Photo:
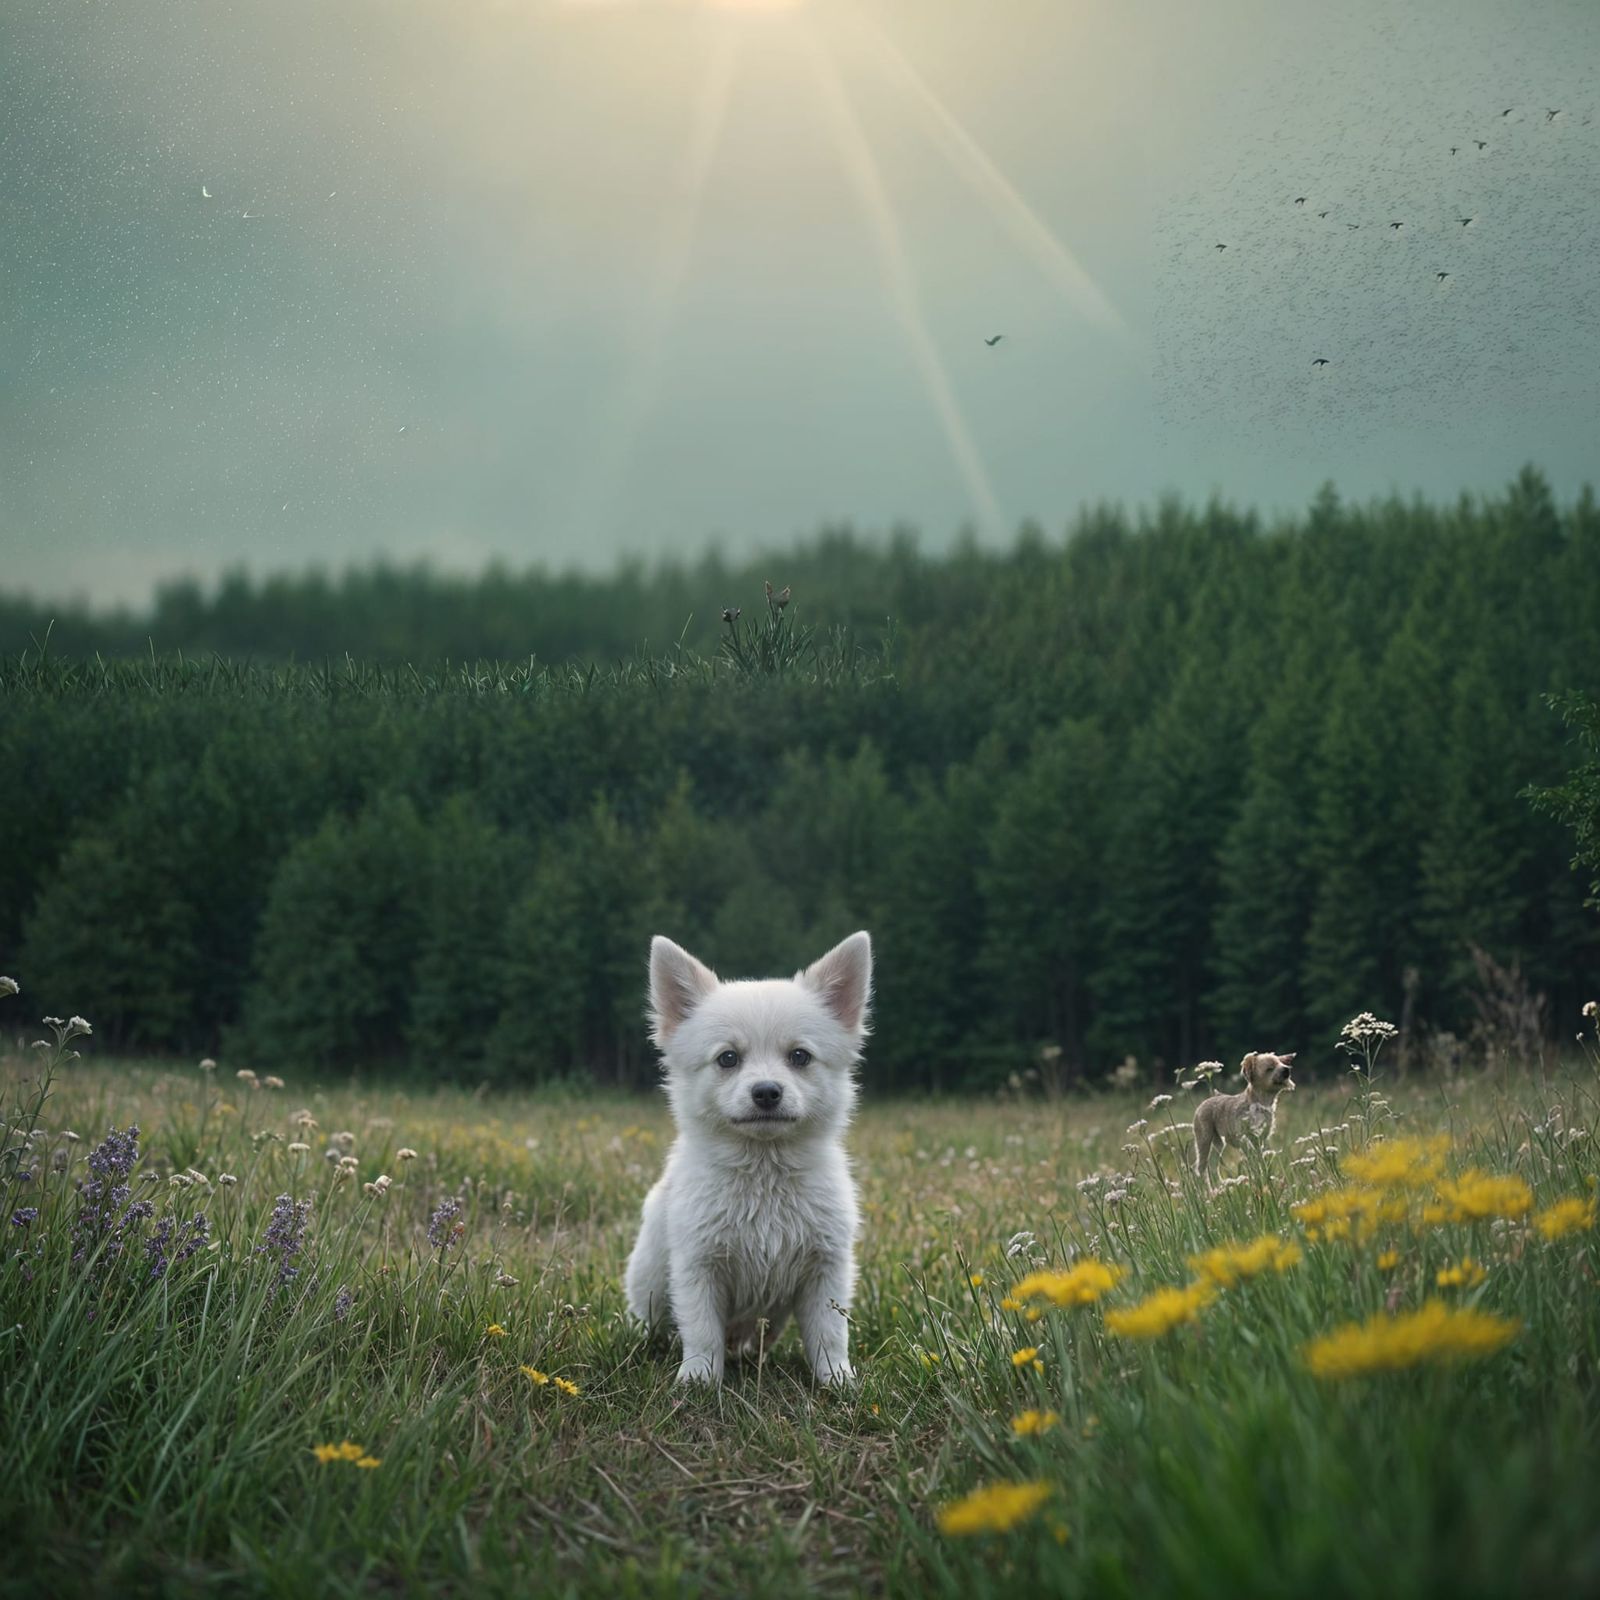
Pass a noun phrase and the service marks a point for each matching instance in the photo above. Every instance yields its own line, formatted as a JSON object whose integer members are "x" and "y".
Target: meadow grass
{"x": 172, "y": 1389}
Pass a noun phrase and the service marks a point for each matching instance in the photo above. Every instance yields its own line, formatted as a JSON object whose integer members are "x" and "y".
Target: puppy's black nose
{"x": 766, "y": 1095}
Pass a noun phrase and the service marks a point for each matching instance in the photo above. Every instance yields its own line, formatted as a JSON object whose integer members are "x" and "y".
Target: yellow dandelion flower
{"x": 1161, "y": 1312}
{"x": 929, "y": 1359}
{"x": 347, "y": 1450}
{"x": 1399, "y": 1163}
{"x": 976, "y": 1280}
{"x": 367, "y": 1463}
{"x": 1355, "y": 1211}
{"x": 1025, "y": 1357}
{"x": 1008, "y": 1304}
{"x": 566, "y": 1386}
{"x": 1477, "y": 1196}
{"x": 996, "y": 1509}
{"x": 1231, "y": 1264}
{"x": 534, "y": 1376}
{"x": 1436, "y": 1333}
{"x": 1388, "y": 1260}
{"x": 1029, "y": 1423}
{"x": 1033, "y": 1314}
{"x": 1468, "y": 1275}
{"x": 1079, "y": 1285}
{"x": 494, "y": 1331}
{"x": 1566, "y": 1216}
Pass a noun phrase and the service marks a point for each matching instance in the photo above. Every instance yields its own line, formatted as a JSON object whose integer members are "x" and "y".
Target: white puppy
{"x": 755, "y": 1215}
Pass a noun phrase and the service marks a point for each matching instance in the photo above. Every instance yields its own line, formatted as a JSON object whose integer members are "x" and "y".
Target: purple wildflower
{"x": 285, "y": 1235}
{"x": 187, "y": 1236}
{"x": 116, "y": 1155}
{"x": 105, "y": 1214}
{"x": 444, "y": 1232}
{"x": 342, "y": 1303}
{"x": 24, "y": 1217}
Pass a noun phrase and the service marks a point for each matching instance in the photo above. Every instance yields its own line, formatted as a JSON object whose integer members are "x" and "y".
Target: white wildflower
{"x": 1366, "y": 1026}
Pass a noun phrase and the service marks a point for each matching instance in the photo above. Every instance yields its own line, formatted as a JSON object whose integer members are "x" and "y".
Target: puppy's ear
{"x": 1288, "y": 1058}
{"x": 843, "y": 978}
{"x": 1247, "y": 1068}
{"x": 678, "y": 983}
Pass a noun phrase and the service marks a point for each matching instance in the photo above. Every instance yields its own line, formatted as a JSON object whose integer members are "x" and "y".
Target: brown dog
{"x": 1229, "y": 1119}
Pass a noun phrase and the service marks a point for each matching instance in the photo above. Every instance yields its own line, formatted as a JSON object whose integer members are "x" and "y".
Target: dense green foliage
{"x": 1176, "y": 789}
{"x": 1577, "y": 801}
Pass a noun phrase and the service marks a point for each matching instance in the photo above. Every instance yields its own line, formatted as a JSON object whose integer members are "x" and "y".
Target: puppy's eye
{"x": 728, "y": 1060}
{"x": 799, "y": 1057}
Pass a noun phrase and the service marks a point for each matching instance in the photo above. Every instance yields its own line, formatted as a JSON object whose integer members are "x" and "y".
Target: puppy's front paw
{"x": 838, "y": 1376}
{"x": 699, "y": 1369}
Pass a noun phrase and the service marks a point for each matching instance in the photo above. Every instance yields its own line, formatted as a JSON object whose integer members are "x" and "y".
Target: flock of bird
{"x": 1397, "y": 224}
{"x": 1394, "y": 225}
{"x": 1419, "y": 276}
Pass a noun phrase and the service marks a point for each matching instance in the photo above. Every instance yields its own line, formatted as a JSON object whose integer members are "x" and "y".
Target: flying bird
{"x": 1300, "y": 200}
{"x": 1397, "y": 225}
{"x": 1466, "y": 222}
{"x": 1482, "y": 144}
{"x": 994, "y": 341}
{"x": 402, "y": 428}
{"x": 1320, "y": 361}
{"x": 1222, "y": 247}
{"x": 205, "y": 193}
{"x": 1550, "y": 116}
{"x": 1440, "y": 277}
{"x": 1353, "y": 226}
{"x": 1454, "y": 148}
{"x": 1322, "y": 213}
{"x": 1508, "y": 110}
{"x": 252, "y": 216}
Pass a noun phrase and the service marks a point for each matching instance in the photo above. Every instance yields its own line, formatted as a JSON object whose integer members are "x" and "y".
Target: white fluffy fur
{"x": 753, "y": 1220}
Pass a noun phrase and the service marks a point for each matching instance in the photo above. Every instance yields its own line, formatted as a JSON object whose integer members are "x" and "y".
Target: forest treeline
{"x": 1174, "y": 788}
{"x": 413, "y": 614}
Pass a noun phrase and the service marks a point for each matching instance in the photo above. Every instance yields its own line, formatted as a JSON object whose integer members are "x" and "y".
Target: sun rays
{"x": 801, "y": 29}
{"x": 968, "y": 157}
{"x": 855, "y": 154}
{"x": 642, "y": 381}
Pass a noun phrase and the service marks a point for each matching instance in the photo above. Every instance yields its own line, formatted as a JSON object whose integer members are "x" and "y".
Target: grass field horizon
{"x": 368, "y": 1370}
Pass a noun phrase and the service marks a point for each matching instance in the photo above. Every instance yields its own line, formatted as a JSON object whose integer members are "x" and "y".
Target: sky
{"x": 564, "y": 281}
